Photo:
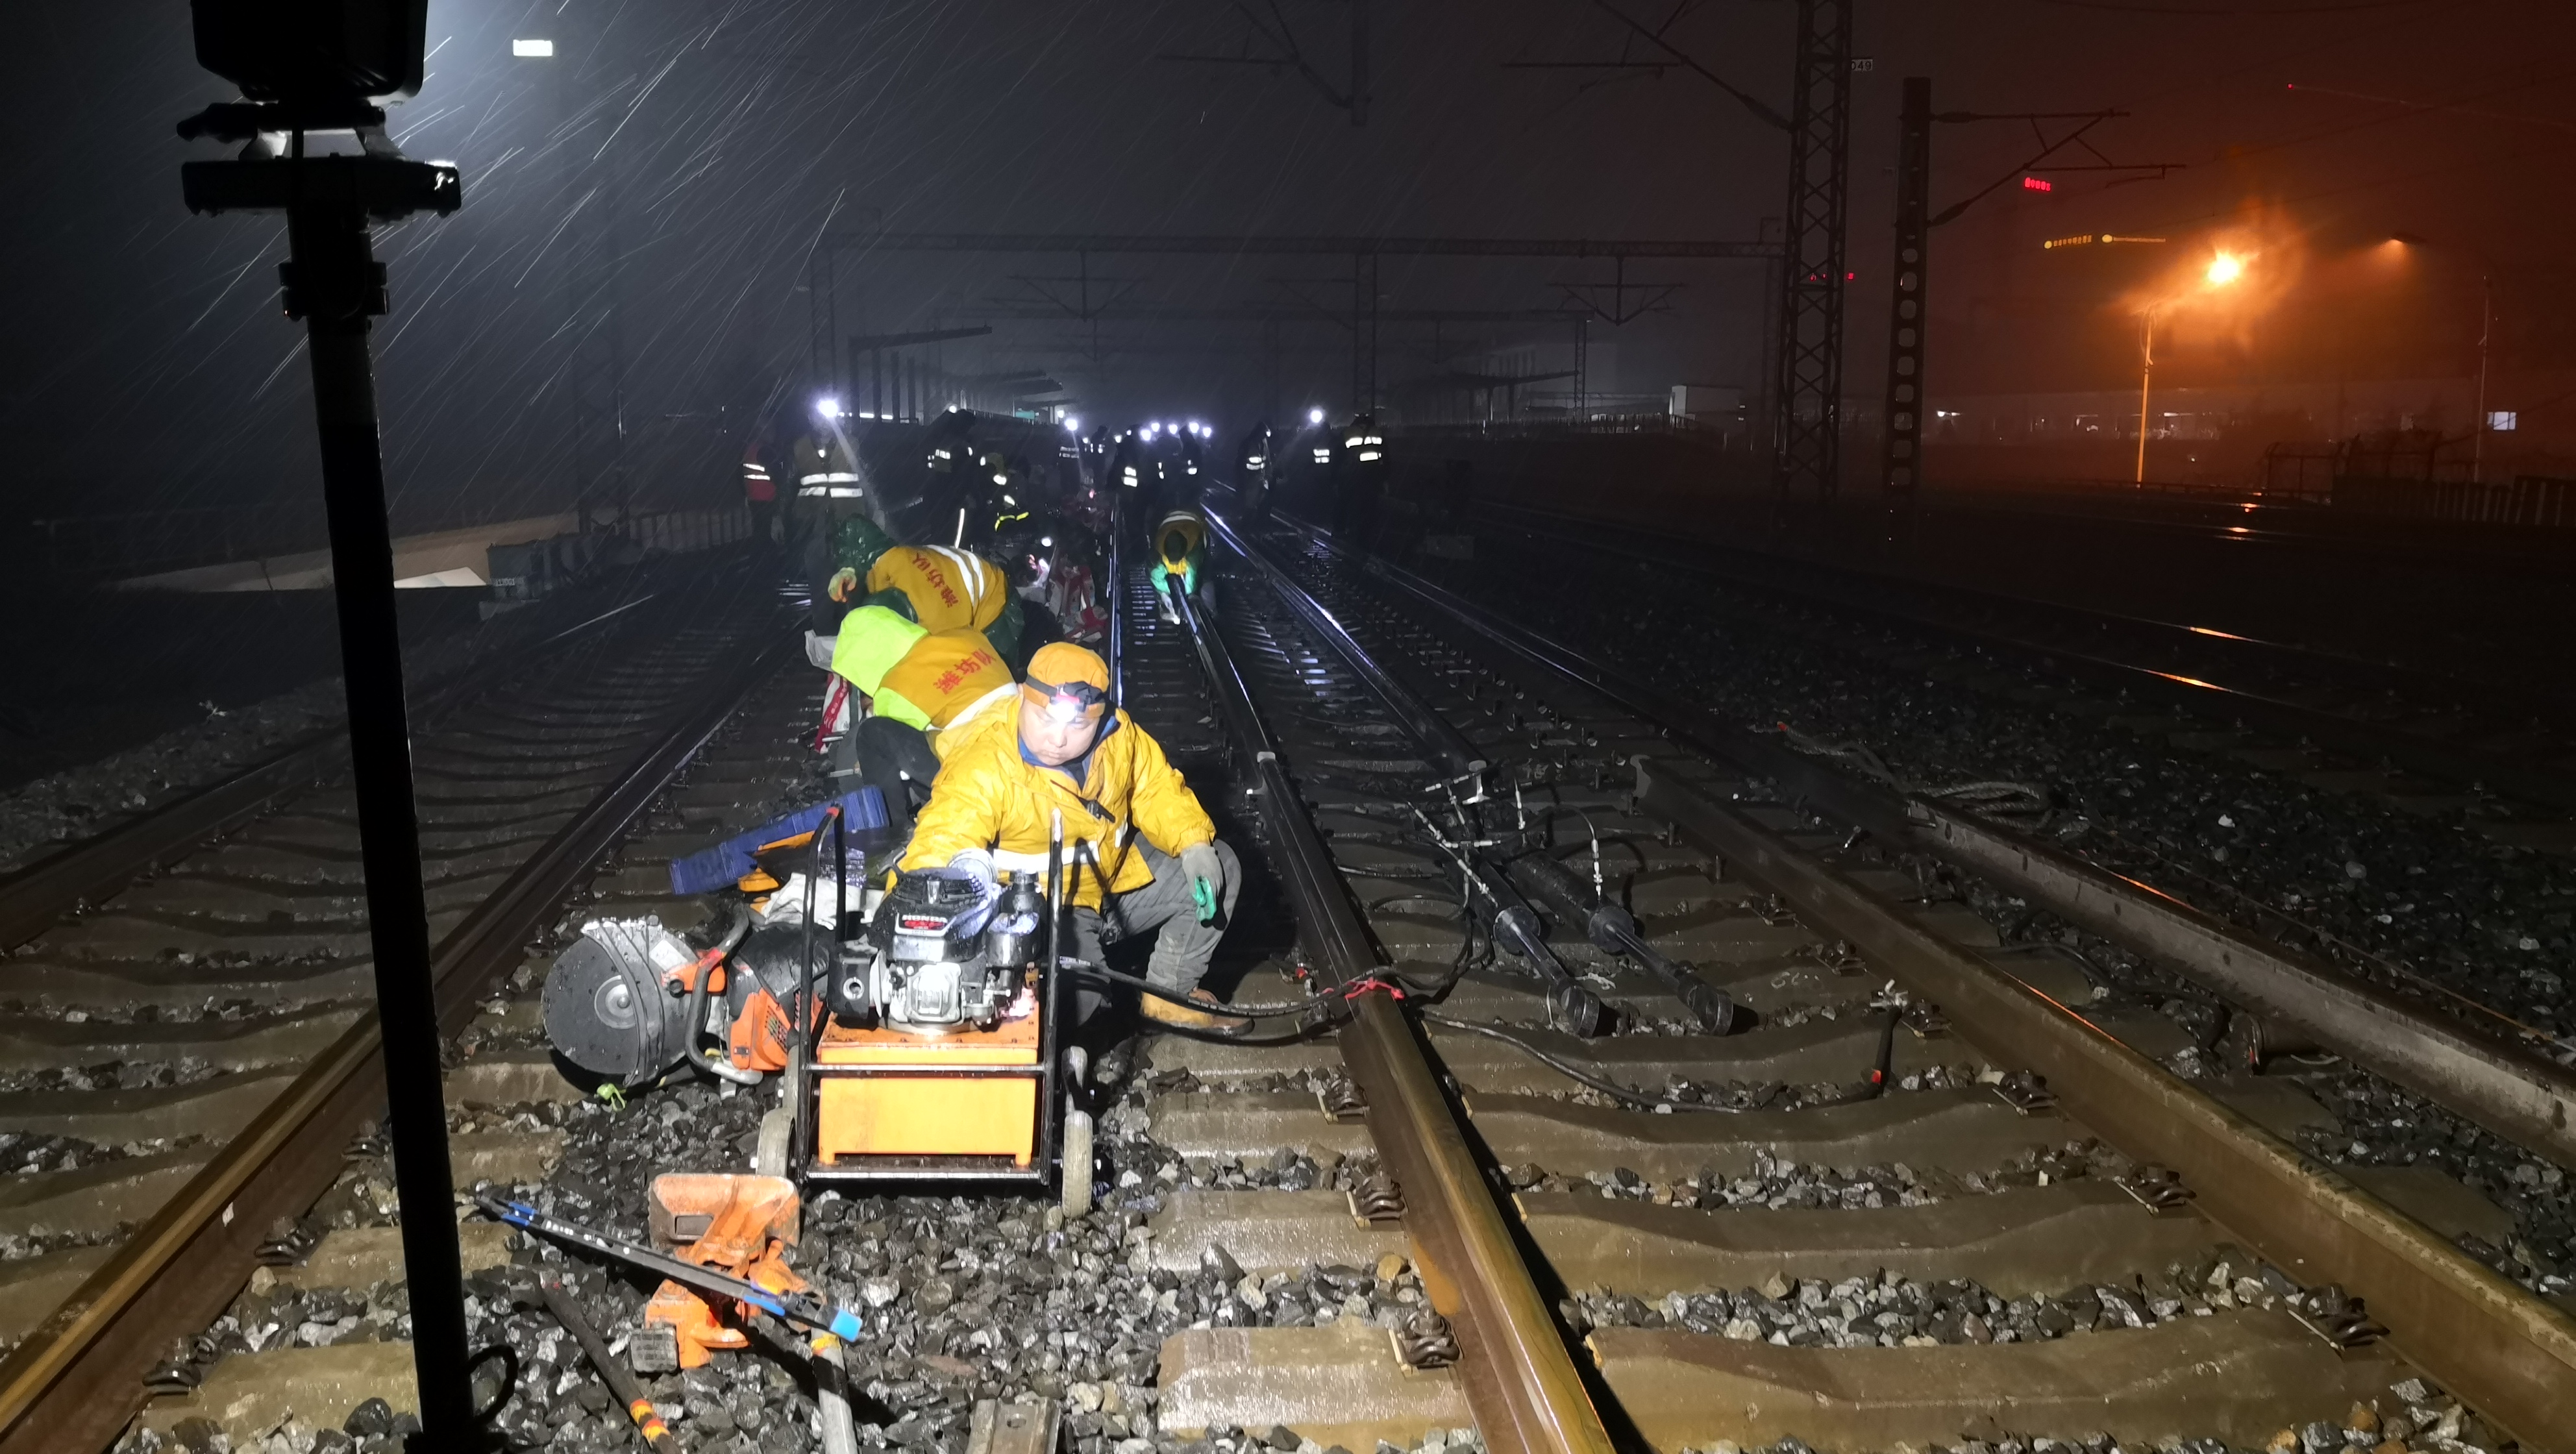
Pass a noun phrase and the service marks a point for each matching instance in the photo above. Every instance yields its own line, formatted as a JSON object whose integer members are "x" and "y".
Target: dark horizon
{"x": 154, "y": 370}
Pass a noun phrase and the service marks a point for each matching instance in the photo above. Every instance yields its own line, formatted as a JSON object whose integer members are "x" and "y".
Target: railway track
{"x": 2022, "y": 1229}
{"x": 189, "y": 1071}
{"x": 1652, "y": 1222}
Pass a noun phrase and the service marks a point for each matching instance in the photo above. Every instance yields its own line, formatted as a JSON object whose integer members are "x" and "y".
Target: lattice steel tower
{"x": 1808, "y": 354}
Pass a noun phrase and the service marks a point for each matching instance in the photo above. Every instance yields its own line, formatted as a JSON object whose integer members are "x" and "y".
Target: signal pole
{"x": 1901, "y": 466}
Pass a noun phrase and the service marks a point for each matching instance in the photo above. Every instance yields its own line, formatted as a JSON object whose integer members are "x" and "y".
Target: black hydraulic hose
{"x": 613, "y": 1371}
{"x": 1088, "y": 970}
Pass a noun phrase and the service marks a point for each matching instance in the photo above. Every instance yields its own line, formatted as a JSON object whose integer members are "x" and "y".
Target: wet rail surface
{"x": 186, "y": 1061}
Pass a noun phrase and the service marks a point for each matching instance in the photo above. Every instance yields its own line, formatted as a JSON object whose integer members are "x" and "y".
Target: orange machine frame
{"x": 888, "y": 1093}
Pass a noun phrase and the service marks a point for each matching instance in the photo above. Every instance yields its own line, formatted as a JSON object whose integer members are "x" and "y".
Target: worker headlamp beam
{"x": 1069, "y": 703}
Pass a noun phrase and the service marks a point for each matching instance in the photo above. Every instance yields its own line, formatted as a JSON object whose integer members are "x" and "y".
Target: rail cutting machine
{"x": 931, "y": 1047}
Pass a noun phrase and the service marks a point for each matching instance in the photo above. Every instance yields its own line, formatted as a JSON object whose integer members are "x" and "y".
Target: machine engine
{"x": 939, "y": 954}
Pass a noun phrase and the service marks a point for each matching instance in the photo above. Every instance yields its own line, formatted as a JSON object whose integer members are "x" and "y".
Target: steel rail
{"x": 35, "y": 898}
{"x": 1459, "y": 756}
{"x": 77, "y": 1378}
{"x": 2504, "y": 1350}
{"x": 2331, "y": 730}
{"x": 2500, "y": 1084}
{"x": 1519, "y": 1379}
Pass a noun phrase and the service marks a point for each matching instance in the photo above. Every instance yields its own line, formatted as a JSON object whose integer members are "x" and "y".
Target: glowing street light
{"x": 533, "y": 49}
{"x": 2224, "y": 270}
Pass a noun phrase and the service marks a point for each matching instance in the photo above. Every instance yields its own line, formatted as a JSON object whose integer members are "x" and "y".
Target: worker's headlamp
{"x": 1069, "y": 703}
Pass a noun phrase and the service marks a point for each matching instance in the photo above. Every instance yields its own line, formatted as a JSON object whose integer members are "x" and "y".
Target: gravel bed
{"x": 1776, "y": 1183}
{"x": 1888, "y": 1311}
{"x": 2414, "y": 1417}
{"x": 30, "y": 1153}
{"x": 15, "y": 1246}
{"x": 110, "y": 1075}
{"x": 83, "y": 801}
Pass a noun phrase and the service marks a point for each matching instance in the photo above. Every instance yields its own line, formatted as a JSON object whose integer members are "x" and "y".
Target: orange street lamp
{"x": 2224, "y": 270}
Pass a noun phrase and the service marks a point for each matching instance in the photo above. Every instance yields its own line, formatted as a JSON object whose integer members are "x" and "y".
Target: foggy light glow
{"x": 2225, "y": 268}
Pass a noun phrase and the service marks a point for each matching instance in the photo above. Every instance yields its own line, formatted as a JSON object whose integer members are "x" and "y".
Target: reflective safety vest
{"x": 757, "y": 486}
{"x": 933, "y": 680}
{"x": 825, "y": 471}
{"x": 949, "y": 589}
{"x": 1365, "y": 447}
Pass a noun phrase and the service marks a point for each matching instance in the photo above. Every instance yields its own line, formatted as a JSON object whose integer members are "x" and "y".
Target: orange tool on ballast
{"x": 737, "y": 1224}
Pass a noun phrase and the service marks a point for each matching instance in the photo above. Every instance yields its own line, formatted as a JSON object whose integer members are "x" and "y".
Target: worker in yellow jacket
{"x": 936, "y": 586}
{"x": 917, "y": 686}
{"x": 1142, "y": 855}
{"x": 1180, "y": 554}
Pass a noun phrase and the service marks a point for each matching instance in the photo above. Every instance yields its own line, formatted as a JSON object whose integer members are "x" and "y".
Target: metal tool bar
{"x": 1519, "y": 1379}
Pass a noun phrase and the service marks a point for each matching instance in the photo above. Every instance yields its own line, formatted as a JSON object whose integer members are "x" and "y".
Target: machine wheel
{"x": 1073, "y": 1165}
{"x": 769, "y": 1154}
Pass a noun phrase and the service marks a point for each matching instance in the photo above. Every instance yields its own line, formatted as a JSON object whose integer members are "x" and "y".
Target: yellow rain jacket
{"x": 949, "y": 589}
{"x": 932, "y": 680}
{"x": 990, "y": 795}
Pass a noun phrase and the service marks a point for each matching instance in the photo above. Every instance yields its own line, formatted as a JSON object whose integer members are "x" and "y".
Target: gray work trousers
{"x": 1182, "y": 945}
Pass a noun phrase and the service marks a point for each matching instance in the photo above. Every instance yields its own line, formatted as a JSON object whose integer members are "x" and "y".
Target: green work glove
{"x": 1207, "y": 879}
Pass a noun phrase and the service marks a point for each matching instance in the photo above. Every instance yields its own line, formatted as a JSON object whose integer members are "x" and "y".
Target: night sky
{"x": 150, "y": 367}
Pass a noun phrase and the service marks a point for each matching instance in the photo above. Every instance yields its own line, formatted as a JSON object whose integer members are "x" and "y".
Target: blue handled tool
{"x": 798, "y": 1308}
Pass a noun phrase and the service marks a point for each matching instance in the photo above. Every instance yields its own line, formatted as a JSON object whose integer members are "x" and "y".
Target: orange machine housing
{"x": 891, "y": 1093}
{"x": 738, "y": 1224}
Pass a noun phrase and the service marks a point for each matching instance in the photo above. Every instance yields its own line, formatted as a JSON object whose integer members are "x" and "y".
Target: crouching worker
{"x": 939, "y": 588}
{"x": 1141, "y": 854}
{"x": 917, "y": 686}
{"x": 1180, "y": 554}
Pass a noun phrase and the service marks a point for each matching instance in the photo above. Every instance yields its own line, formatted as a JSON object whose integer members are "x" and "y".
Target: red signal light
{"x": 2037, "y": 184}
